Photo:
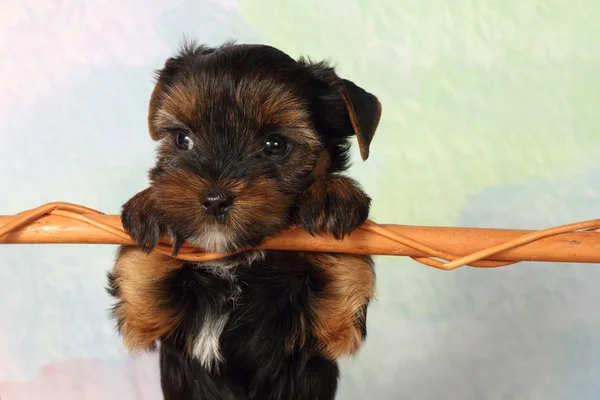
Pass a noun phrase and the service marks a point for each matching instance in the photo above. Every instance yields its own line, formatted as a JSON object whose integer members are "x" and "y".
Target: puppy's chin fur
{"x": 219, "y": 238}
{"x": 215, "y": 238}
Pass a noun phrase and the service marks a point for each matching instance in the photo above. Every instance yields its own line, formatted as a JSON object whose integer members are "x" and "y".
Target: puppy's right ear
{"x": 164, "y": 78}
{"x": 154, "y": 105}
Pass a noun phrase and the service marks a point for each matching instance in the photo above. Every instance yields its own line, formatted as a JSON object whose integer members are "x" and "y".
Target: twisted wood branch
{"x": 439, "y": 247}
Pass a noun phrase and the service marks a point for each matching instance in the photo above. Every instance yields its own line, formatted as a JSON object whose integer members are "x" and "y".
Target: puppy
{"x": 251, "y": 143}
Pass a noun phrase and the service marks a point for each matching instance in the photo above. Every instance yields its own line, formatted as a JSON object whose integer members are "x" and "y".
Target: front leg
{"x": 142, "y": 284}
{"x": 334, "y": 204}
{"x": 141, "y": 280}
{"x": 338, "y": 312}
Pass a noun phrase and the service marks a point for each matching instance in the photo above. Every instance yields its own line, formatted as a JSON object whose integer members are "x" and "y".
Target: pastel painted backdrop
{"x": 490, "y": 119}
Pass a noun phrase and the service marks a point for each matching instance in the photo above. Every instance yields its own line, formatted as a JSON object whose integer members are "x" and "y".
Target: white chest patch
{"x": 206, "y": 345}
{"x": 206, "y": 348}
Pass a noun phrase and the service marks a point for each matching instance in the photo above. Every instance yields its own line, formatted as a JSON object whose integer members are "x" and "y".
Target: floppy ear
{"x": 152, "y": 109}
{"x": 364, "y": 112}
{"x": 164, "y": 77}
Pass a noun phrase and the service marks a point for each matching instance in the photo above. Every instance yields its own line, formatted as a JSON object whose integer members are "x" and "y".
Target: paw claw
{"x": 177, "y": 243}
{"x": 141, "y": 220}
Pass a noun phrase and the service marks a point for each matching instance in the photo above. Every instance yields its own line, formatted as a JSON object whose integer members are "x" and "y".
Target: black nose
{"x": 217, "y": 202}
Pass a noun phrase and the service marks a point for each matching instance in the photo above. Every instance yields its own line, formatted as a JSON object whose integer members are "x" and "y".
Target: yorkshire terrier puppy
{"x": 251, "y": 142}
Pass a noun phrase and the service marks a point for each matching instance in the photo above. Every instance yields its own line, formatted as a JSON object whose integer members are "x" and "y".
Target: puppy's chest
{"x": 243, "y": 306}
{"x": 215, "y": 317}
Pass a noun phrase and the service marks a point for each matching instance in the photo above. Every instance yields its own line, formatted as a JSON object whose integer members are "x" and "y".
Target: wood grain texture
{"x": 582, "y": 247}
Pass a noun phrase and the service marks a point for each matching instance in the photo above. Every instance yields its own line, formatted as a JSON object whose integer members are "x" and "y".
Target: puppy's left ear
{"x": 364, "y": 112}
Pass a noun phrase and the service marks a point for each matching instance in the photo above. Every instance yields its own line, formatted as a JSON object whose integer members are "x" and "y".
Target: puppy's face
{"x": 243, "y": 131}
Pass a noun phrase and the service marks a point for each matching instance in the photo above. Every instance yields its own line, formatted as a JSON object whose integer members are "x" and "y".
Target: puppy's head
{"x": 243, "y": 130}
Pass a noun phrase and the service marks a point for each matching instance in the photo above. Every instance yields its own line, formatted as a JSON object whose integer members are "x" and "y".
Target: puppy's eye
{"x": 275, "y": 146}
{"x": 183, "y": 141}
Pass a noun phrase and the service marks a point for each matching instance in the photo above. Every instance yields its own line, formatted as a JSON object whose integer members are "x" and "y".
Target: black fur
{"x": 268, "y": 345}
{"x": 276, "y": 291}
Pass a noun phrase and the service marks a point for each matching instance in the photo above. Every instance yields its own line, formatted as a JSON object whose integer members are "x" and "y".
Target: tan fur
{"x": 322, "y": 167}
{"x": 349, "y": 287}
{"x": 264, "y": 197}
{"x": 183, "y": 100}
{"x": 256, "y": 201}
{"x": 143, "y": 319}
{"x": 269, "y": 103}
{"x": 164, "y": 119}
{"x": 266, "y": 102}
{"x": 179, "y": 192}
{"x": 152, "y": 109}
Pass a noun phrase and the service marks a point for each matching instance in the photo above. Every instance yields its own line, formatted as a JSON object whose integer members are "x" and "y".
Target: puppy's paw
{"x": 335, "y": 204}
{"x": 143, "y": 221}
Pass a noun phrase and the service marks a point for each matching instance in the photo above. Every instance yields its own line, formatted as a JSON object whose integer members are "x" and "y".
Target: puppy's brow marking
{"x": 164, "y": 119}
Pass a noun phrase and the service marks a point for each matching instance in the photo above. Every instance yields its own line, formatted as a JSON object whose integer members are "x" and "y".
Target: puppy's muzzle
{"x": 217, "y": 202}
